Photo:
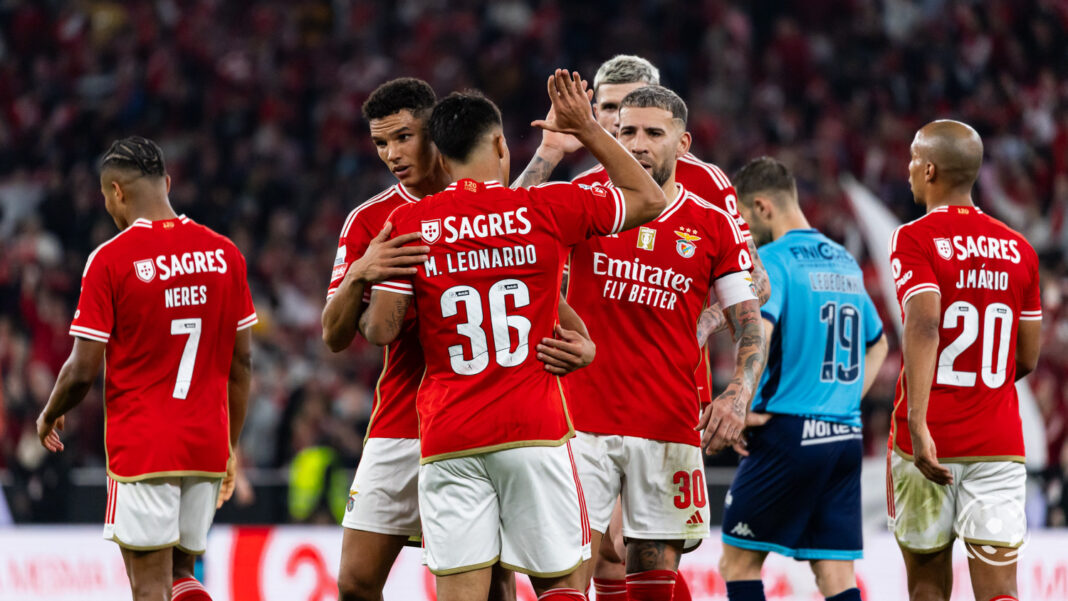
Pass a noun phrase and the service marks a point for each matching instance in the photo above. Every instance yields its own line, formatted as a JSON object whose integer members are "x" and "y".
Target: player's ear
{"x": 684, "y": 144}
{"x": 500, "y": 145}
{"x": 930, "y": 172}
{"x": 167, "y": 179}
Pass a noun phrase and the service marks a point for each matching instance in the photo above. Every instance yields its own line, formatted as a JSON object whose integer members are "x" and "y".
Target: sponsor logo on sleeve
{"x": 145, "y": 270}
{"x": 339, "y": 259}
{"x": 431, "y": 230}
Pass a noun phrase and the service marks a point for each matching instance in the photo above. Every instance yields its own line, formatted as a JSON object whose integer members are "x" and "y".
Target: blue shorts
{"x": 798, "y": 491}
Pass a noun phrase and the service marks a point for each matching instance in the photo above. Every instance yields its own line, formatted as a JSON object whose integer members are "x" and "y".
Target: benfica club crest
{"x": 945, "y": 249}
{"x": 685, "y": 245}
{"x": 431, "y": 230}
{"x": 145, "y": 270}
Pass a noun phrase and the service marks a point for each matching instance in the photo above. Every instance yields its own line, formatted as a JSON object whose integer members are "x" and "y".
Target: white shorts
{"x": 161, "y": 512}
{"x": 522, "y": 507}
{"x": 384, "y": 497}
{"x": 662, "y": 484}
{"x": 984, "y": 505}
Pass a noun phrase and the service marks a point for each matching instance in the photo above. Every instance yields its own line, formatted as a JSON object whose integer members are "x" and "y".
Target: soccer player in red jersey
{"x": 382, "y": 513}
{"x": 969, "y": 294}
{"x": 658, "y": 275}
{"x": 493, "y": 423}
{"x": 166, "y": 304}
{"x": 615, "y": 79}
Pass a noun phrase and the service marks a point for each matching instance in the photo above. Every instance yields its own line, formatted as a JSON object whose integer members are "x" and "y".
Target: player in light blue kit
{"x": 797, "y": 492}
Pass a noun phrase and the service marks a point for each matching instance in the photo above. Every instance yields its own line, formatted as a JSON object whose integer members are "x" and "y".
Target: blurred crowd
{"x": 257, "y": 108}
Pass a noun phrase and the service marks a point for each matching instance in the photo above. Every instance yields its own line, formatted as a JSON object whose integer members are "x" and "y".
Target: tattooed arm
{"x": 712, "y": 319}
{"x": 724, "y": 419}
{"x": 381, "y": 322}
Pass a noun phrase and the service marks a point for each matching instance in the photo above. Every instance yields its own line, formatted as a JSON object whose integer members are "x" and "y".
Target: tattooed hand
{"x": 724, "y": 420}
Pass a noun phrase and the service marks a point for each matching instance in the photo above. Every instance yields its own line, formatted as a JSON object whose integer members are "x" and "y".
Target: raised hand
{"x": 571, "y": 112}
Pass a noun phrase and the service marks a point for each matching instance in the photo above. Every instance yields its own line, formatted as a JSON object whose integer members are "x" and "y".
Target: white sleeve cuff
{"x": 395, "y": 287}
{"x": 734, "y": 288}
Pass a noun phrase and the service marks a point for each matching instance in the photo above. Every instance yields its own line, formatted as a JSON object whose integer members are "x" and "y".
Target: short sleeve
{"x": 246, "y": 314}
{"x": 400, "y": 227}
{"x": 95, "y": 316}
{"x": 1031, "y": 309}
{"x": 580, "y": 211}
{"x": 772, "y": 310}
{"x": 873, "y": 324}
{"x": 911, "y": 267}
{"x": 356, "y": 236}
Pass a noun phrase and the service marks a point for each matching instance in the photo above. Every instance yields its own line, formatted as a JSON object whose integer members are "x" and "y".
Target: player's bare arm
{"x": 383, "y": 319}
{"x": 873, "y": 360}
{"x": 920, "y": 347}
{"x": 712, "y": 320}
{"x": 553, "y": 147}
{"x": 74, "y": 381}
{"x": 724, "y": 419}
{"x": 237, "y": 393}
{"x": 572, "y": 114}
{"x": 1028, "y": 344}
{"x": 385, "y": 258}
{"x": 572, "y": 348}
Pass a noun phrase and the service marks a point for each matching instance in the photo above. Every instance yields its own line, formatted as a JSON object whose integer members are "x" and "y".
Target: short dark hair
{"x": 396, "y": 95}
{"x": 656, "y": 96}
{"x": 763, "y": 174}
{"x": 459, "y": 121}
{"x": 135, "y": 154}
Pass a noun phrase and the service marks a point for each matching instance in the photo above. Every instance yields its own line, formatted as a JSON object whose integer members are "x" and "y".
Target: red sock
{"x": 682, "y": 590}
{"x": 1004, "y": 598}
{"x": 188, "y": 589}
{"x": 610, "y": 590}
{"x": 651, "y": 585}
{"x": 562, "y": 594}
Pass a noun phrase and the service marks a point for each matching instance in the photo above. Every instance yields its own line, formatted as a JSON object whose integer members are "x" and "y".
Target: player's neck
{"x": 152, "y": 210}
{"x": 476, "y": 172}
{"x": 671, "y": 191}
{"x": 431, "y": 185}
{"x": 790, "y": 222}
{"x": 952, "y": 199}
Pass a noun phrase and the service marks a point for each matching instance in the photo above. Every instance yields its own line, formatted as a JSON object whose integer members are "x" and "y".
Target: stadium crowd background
{"x": 257, "y": 107}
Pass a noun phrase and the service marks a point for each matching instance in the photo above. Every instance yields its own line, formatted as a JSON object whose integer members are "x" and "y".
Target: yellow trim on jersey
{"x": 170, "y": 474}
{"x": 925, "y": 551}
{"x": 118, "y": 542}
{"x": 563, "y": 400}
{"x": 504, "y": 446}
{"x": 463, "y": 569}
{"x": 513, "y": 568}
{"x": 378, "y": 395}
{"x": 992, "y": 543}
{"x": 966, "y": 459}
{"x": 188, "y": 552}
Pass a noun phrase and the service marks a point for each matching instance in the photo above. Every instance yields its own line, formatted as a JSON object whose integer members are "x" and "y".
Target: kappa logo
{"x": 944, "y": 247}
{"x": 646, "y": 238}
{"x": 145, "y": 270}
{"x": 685, "y": 244}
{"x": 431, "y": 230}
{"x": 695, "y": 519}
{"x": 742, "y": 529}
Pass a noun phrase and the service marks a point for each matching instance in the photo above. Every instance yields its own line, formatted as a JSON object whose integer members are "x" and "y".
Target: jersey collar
{"x": 680, "y": 198}
{"x": 487, "y": 184}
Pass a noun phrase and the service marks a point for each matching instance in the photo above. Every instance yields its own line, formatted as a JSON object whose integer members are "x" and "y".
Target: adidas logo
{"x": 695, "y": 519}
{"x": 742, "y": 529}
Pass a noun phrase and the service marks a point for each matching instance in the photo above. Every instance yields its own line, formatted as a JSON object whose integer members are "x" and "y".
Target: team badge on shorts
{"x": 352, "y": 500}
{"x": 431, "y": 230}
{"x": 145, "y": 270}
{"x": 945, "y": 249}
{"x": 685, "y": 244}
{"x": 646, "y": 238}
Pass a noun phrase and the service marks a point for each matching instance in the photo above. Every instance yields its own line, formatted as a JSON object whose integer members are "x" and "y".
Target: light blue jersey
{"x": 824, "y": 323}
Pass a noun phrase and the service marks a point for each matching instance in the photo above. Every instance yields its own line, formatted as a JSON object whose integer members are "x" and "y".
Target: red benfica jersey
{"x": 987, "y": 276}
{"x": 167, "y": 297}
{"x": 708, "y": 182}
{"x": 487, "y": 294}
{"x": 394, "y": 413}
{"x": 640, "y": 293}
